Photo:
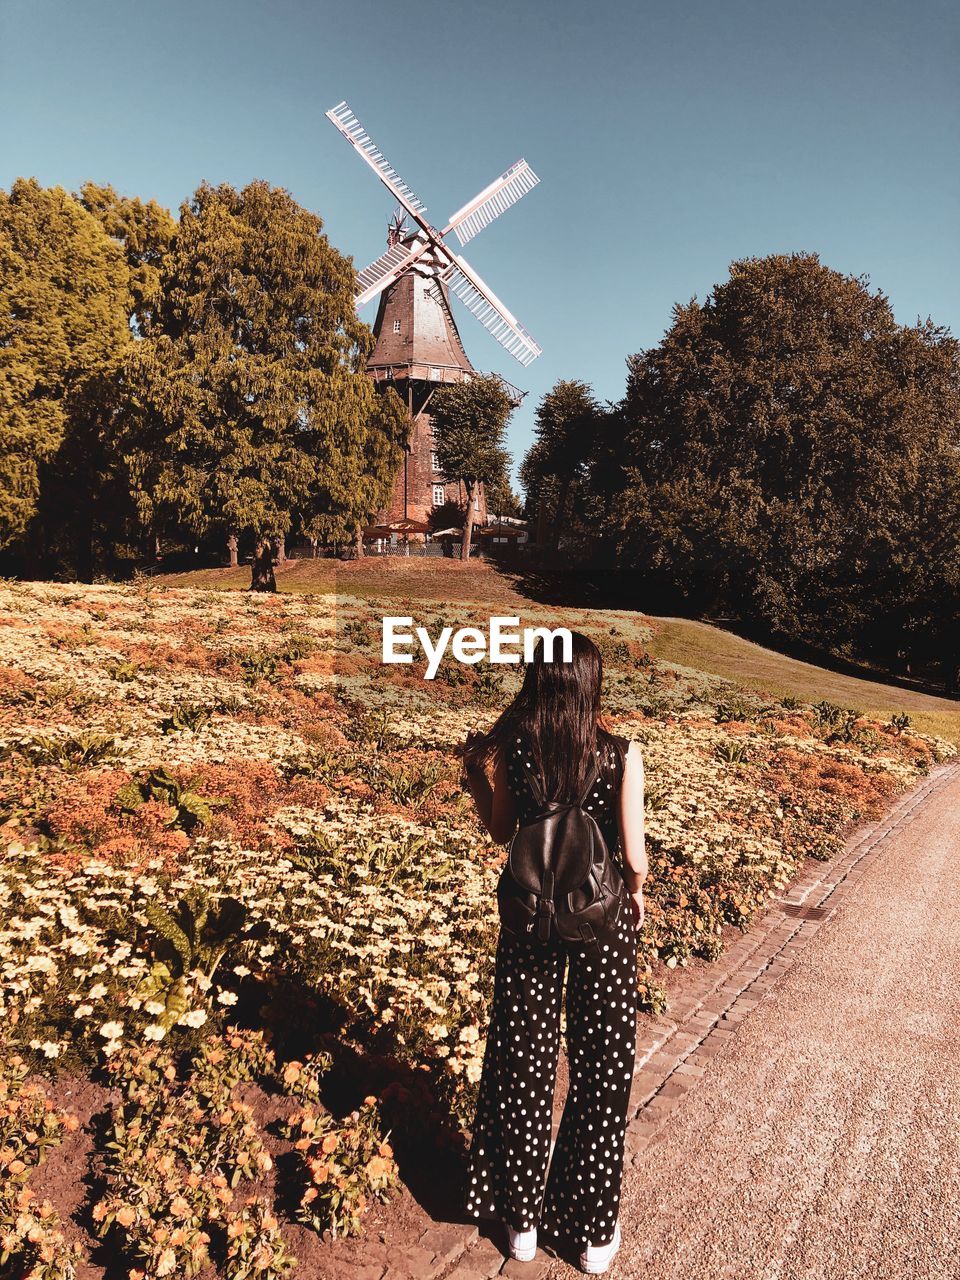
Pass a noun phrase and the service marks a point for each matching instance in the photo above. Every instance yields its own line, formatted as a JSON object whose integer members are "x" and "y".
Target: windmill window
{"x": 436, "y": 375}
{"x": 434, "y": 463}
{"x": 439, "y": 495}
{"x": 396, "y": 326}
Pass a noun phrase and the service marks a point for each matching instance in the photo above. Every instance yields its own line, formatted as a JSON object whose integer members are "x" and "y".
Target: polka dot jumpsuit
{"x": 507, "y": 1174}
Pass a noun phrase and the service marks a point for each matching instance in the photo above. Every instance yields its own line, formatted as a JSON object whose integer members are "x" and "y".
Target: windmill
{"x": 417, "y": 342}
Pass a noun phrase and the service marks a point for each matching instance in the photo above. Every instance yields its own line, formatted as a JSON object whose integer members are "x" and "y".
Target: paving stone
{"x": 414, "y": 1263}
{"x": 683, "y": 1008}
{"x": 689, "y": 1070}
{"x": 674, "y": 1088}
{"x": 485, "y": 1256}
{"x": 535, "y": 1270}
{"x": 447, "y": 1243}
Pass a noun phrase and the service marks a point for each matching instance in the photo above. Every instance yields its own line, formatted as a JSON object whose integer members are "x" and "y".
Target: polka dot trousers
{"x": 507, "y": 1175}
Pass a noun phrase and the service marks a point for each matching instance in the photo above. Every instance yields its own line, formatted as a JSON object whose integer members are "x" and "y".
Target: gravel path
{"x": 822, "y": 1143}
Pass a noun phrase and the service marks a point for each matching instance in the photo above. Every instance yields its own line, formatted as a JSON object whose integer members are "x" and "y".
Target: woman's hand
{"x": 636, "y": 908}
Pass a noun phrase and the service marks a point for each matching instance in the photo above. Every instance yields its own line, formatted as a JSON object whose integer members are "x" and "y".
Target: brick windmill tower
{"x": 418, "y": 345}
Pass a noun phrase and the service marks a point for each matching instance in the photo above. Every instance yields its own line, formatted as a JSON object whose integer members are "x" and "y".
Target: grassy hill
{"x": 695, "y": 646}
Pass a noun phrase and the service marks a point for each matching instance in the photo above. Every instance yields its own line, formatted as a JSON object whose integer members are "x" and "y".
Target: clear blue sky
{"x": 670, "y": 138}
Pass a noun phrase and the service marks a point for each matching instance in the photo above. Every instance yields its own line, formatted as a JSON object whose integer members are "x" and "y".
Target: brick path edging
{"x": 673, "y": 1052}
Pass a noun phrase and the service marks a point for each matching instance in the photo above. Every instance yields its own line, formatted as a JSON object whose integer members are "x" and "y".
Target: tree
{"x": 469, "y": 425}
{"x": 359, "y": 468}
{"x": 779, "y": 450}
{"x": 63, "y": 285}
{"x": 566, "y": 424}
{"x": 144, "y": 231}
{"x": 250, "y": 407}
{"x": 501, "y": 497}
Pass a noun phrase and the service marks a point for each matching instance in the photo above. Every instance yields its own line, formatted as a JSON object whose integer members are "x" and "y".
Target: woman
{"x": 553, "y": 730}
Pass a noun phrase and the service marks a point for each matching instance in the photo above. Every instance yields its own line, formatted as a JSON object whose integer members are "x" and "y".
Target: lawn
{"x": 247, "y": 915}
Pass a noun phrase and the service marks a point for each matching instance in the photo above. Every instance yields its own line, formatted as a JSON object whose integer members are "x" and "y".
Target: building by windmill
{"x": 417, "y": 343}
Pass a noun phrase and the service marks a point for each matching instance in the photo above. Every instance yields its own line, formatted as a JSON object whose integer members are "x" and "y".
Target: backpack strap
{"x": 535, "y": 785}
{"x": 546, "y": 909}
{"x": 593, "y": 777}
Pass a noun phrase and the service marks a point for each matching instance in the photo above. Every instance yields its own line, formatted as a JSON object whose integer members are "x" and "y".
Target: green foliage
{"x": 84, "y": 750}
{"x": 731, "y": 708}
{"x": 900, "y": 723}
{"x": 565, "y": 436}
{"x": 188, "y": 808}
{"x": 248, "y": 398}
{"x": 833, "y": 721}
{"x": 180, "y": 1143}
{"x": 356, "y": 633}
{"x": 347, "y": 1165}
{"x": 469, "y": 426}
{"x": 63, "y": 329}
{"x": 186, "y": 717}
{"x": 144, "y": 231}
{"x": 191, "y": 938}
{"x": 788, "y": 455}
{"x": 733, "y": 752}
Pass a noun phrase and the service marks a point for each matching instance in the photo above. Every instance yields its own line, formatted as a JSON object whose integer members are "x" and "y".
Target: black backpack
{"x": 560, "y": 880}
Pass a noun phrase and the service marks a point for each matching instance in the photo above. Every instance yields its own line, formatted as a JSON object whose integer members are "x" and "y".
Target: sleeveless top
{"x": 603, "y": 802}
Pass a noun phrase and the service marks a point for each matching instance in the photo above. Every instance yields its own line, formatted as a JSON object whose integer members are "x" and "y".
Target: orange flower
{"x": 330, "y": 1143}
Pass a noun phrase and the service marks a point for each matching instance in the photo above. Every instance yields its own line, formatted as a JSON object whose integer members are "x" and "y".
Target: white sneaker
{"x": 596, "y": 1258}
{"x": 523, "y": 1244}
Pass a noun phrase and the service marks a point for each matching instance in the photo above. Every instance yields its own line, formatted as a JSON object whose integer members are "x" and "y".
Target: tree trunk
{"x": 157, "y": 547}
{"x": 262, "y": 576}
{"x": 85, "y": 557}
{"x": 358, "y": 542}
{"x": 281, "y": 548}
{"x": 471, "y": 486}
{"x": 232, "y": 543}
{"x": 314, "y": 548}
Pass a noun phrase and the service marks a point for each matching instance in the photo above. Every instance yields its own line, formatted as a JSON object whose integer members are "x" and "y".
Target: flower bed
{"x": 237, "y": 850}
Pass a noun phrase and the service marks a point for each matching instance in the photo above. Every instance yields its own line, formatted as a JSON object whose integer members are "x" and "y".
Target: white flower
{"x": 227, "y": 997}
{"x": 111, "y": 1047}
{"x": 195, "y": 1018}
{"x": 97, "y": 992}
{"x": 154, "y": 1008}
{"x": 111, "y": 1030}
{"x": 83, "y": 1011}
{"x": 154, "y": 1032}
{"x": 50, "y": 1049}
{"x": 241, "y": 970}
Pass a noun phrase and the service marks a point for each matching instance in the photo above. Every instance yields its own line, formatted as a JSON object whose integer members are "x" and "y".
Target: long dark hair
{"x": 556, "y": 714}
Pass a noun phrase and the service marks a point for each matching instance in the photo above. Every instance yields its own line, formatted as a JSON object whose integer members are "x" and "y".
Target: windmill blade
{"x": 387, "y": 268}
{"x": 356, "y": 135}
{"x": 492, "y": 201}
{"x": 478, "y": 298}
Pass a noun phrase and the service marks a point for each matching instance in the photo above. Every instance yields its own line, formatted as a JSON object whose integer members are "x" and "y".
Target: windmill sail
{"x": 387, "y": 268}
{"x": 428, "y": 243}
{"x": 357, "y": 136}
{"x": 480, "y": 299}
{"x": 492, "y": 201}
